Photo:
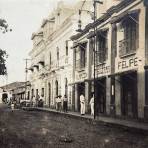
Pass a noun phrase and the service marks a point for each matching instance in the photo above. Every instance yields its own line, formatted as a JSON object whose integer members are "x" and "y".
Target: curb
{"x": 92, "y": 121}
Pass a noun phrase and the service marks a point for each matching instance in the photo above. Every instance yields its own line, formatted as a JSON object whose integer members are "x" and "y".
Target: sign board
{"x": 128, "y": 63}
{"x": 80, "y": 76}
{"x": 101, "y": 70}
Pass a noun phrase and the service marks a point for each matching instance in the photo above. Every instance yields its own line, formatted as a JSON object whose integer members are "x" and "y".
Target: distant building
{"x": 17, "y": 90}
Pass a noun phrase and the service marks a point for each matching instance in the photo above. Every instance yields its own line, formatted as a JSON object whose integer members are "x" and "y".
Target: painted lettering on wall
{"x": 103, "y": 69}
{"x": 128, "y": 63}
{"x": 81, "y": 76}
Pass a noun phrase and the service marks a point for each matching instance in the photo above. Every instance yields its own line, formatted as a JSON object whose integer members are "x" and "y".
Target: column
{"x": 113, "y": 55}
{"x": 76, "y": 97}
{"x": 146, "y": 93}
{"x": 146, "y": 61}
{"x": 87, "y": 96}
{"x": 73, "y": 98}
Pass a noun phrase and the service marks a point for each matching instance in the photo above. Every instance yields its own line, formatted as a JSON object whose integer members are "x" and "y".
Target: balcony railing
{"x": 126, "y": 47}
{"x": 101, "y": 56}
{"x": 80, "y": 64}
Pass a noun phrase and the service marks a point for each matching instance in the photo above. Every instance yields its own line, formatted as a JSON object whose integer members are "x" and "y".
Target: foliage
{"x": 4, "y": 26}
{"x": 3, "y": 54}
{"x": 3, "y": 57}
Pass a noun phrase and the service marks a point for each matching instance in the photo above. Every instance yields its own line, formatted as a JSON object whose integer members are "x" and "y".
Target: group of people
{"x": 37, "y": 101}
{"x": 62, "y": 103}
{"x": 82, "y": 104}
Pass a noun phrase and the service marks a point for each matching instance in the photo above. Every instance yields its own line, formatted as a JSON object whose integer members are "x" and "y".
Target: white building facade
{"x": 52, "y": 56}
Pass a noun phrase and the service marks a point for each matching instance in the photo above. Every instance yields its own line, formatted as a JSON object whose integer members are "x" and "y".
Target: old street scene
{"x": 74, "y": 74}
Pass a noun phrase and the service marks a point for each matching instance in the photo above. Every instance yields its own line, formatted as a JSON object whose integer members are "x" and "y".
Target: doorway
{"x": 101, "y": 96}
{"x": 81, "y": 90}
{"x": 129, "y": 95}
{"x": 49, "y": 93}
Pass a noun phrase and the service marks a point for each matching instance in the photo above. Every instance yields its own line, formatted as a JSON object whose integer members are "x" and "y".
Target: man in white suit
{"x": 82, "y": 103}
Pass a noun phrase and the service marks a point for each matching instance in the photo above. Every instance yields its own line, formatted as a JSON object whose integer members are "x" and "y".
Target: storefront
{"x": 129, "y": 95}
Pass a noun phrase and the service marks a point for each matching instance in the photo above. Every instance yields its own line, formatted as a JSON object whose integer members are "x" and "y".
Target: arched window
{"x": 66, "y": 87}
{"x": 57, "y": 53}
{"x": 56, "y": 88}
{"x": 49, "y": 93}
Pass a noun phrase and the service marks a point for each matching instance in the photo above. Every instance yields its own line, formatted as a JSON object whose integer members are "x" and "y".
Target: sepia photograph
{"x": 73, "y": 73}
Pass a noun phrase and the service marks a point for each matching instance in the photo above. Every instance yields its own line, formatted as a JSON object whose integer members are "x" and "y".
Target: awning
{"x": 96, "y": 78}
{"x": 124, "y": 15}
{"x": 122, "y": 73}
{"x": 92, "y": 34}
{"x": 30, "y": 68}
{"x": 42, "y": 63}
{"x": 37, "y": 66}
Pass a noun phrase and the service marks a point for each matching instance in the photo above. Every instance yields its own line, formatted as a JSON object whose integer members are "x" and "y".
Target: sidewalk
{"x": 135, "y": 125}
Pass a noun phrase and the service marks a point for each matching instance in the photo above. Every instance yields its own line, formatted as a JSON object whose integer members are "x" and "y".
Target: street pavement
{"x": 33, "y": 129}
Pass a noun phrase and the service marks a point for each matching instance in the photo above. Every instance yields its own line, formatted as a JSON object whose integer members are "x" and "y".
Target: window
{"x": 28, "y": 96}
{"x": 131, "y": 35}
{"x": 91, "y": 46}
{"x": 50, "y": 60}
{"x": 57, "y": 53}
{"x": 42, "y": 92}
{"x": 102, "y": 47}
{"x": 80, "y": 59}
{"x": 66, "y": 87}
{"x": 66, "y": 48}
{"x": 32, "y": 92}
{"x": 37, "y": 93}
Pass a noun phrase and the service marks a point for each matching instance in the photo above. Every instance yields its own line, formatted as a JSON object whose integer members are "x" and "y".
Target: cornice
{"x": 114, "y": 9}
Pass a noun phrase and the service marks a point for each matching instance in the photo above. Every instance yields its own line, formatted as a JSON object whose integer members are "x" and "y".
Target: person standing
{"x": 82, "y": 103}
{"x": 37, "y": 100}
{"x": 92, "y": 105}
{"x": 33, "y": 100}
{"x": 65, "y": 101}
{"x": 12, "y": 106}
{"x": 60, "y": 103}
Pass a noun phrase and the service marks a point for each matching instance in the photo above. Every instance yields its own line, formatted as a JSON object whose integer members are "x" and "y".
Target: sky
{"x": 24, "y": 17}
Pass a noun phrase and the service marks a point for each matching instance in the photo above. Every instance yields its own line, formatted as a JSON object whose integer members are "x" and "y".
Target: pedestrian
{"x": 92, "y": 105}
{"x": 56, "y": 99}
{"x": 82, "y": 103}
{"x": 40, "y": 103}
{"x": 33, "y": 100}
{"x": 60, "y": 103}
{"x": 12, "y": 106}
{"x": 37, "y": 100}
{"x": 65, "y": 101}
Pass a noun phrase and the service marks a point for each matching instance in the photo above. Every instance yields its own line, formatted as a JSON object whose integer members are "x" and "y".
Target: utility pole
{"x": 95, "y": 50}
{"x": 26, "y": 74}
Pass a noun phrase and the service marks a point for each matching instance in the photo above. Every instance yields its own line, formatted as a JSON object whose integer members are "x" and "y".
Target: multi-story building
{"x": 52, "y": 56}
{"x": 120, "y": 65}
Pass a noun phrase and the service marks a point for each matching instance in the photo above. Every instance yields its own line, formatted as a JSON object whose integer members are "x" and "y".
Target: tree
{"x": 3, "y": 57}
{"x": 3, "y": 54}
{"x": 4, "y": 26}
